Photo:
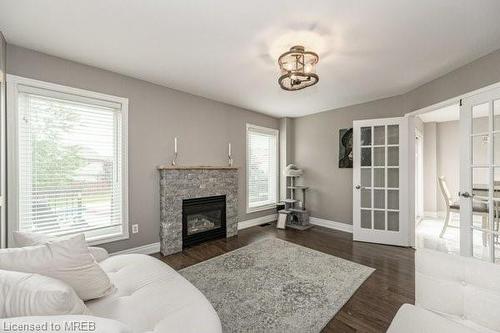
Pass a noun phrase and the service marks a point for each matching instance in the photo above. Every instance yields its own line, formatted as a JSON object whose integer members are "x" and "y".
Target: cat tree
{"x": 295, "y": 215}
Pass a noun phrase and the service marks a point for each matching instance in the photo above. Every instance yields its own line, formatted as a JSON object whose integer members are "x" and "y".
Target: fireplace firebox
{"x": 203, "y": 219}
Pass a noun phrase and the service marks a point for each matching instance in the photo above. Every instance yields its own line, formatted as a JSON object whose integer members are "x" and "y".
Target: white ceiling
{"x": 227, "y": 50}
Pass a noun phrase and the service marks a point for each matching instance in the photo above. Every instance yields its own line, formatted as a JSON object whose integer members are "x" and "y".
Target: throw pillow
{"x": 22, "y": 239}
{"x": 68, "y": 260}
{"x": 28, "y": 294}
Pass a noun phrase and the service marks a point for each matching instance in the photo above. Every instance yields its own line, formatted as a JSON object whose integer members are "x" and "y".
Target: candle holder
{"x": 174, "y": 159}
{"x": 230, "y": 160}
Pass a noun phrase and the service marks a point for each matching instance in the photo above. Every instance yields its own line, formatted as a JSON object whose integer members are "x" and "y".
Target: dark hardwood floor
{"x": 374, "y": 304}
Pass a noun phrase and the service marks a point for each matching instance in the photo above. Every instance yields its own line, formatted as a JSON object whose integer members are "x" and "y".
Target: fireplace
{"x": 203, "y": 219}
{"x": 183, "y": 183}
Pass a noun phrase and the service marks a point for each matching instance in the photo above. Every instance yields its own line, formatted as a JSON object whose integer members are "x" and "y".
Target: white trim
{"x": 276, "y": 133}
{"x": 377, "y": 122}
{"x": 144, "y": 249}
{"x": 331, "y": 224}
{"x": 155, "y": 247}
{"x": 419, "y": 172}
{"x": 437, "y": 214}
{"x": 66, "y": 89}
{"x": 257, "y": 221}
{"x": 260, "y": 208}
{"x": 14, "y": 84}
{"x": 3, "y": 163}
{"x": 407, "y": 184}
{"x": 431, "y": 214}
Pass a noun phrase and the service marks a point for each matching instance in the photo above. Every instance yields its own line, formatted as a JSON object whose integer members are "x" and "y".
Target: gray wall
{"x": 448, "y": 159}
{"x": 477, "y": 74}
{"x": 156, "y": 115}
{"x": 431, "y": 193}
{"x": 286, "y": 152}
{"x": 316, "y": 136}
{"x": 317, "y": 149}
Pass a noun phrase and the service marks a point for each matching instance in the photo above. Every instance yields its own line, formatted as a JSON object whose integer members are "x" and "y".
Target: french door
{"x": 480, "y": 175}
{"x": 380, "y": 181}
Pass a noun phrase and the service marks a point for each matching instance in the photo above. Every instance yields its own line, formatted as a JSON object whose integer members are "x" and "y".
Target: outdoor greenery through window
{"x": 262, "y": 164}
{"x": 70, "y": 170}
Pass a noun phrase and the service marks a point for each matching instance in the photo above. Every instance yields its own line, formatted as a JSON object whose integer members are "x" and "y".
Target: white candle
{"x": 175, "y": 145}
{"x": 229, "y": 149}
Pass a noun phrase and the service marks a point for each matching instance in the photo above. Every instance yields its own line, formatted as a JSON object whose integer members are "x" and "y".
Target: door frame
{"x": 419, "y": 172}
{"x": 406, "y": 172}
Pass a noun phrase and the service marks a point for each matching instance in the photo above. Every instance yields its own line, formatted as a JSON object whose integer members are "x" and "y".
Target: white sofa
{"x": 153, "y": 297}
{"x": 149, "y": 296}
{"x": 452, "y": 294}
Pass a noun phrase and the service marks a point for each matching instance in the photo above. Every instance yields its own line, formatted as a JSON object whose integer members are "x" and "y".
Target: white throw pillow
{"x": 68, "y": 260}
{"x": 22, "y": 239}
{"x": 28, "y": 294}
{"x": 65, "y": 324}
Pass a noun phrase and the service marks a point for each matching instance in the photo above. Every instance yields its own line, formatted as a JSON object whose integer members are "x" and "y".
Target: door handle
{"x": 465, "y": 195}
{"x": 358, "y": 187}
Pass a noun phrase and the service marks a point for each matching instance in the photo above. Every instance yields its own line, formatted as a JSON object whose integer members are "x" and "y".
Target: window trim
{"x": 14, "y": 85}
{"x": 274, "y": 132}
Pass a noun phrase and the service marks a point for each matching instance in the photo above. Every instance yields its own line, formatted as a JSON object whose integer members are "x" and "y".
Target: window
{"x": 68, "y": 167}
{"x": 262, "y": 167}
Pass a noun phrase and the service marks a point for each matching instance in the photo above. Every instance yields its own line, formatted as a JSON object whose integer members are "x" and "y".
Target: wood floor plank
{"x": 371, "y": 308}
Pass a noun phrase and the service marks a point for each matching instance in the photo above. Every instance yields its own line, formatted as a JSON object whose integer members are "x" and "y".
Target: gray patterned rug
{"x": 276, "y": 286}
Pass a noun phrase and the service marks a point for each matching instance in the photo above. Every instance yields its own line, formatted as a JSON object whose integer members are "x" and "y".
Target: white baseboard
{"x": 145, "y": 249}
{"x": 438, "y": 214}
{"x": 257, "y": 221}
{"x": 155, "y": 247}
{"x": 331, "y": 224}
{"x": 430, "y": 214}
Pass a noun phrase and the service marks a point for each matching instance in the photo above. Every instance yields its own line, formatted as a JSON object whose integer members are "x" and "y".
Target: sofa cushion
{"x": 68, "y": 260}
{"x": 413, "y": 319}
{"x": 150, "y": 296}
{"x": 463, "y": 289}
{"x": 27, "y": 294}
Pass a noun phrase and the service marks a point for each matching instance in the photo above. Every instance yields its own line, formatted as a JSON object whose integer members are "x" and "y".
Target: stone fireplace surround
{"x": 187, "y": 182}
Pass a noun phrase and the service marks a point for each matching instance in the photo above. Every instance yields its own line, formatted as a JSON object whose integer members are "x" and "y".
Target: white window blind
{"x": 262, "y": 167}
{"x": 70, "y": 165}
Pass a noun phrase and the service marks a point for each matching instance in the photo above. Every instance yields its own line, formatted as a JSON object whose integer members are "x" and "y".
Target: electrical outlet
{"x": 135, "y": 228}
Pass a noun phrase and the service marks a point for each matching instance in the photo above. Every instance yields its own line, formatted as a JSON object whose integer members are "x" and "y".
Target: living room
{"x": 248, "y": 167}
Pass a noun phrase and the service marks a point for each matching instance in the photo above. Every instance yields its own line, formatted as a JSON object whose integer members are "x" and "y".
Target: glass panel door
{"x": 480, "y": 176}
{"x": 377, "y": 180}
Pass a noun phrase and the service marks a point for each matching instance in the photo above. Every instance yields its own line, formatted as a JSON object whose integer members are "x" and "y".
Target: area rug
{"x": 276, "y": 286}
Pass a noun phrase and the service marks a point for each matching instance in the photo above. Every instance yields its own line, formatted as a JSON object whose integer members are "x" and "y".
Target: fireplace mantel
{"x": 195, "y": 167}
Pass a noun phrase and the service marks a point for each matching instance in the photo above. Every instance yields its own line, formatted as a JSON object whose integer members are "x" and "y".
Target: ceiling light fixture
{"x": 298, "y": 68}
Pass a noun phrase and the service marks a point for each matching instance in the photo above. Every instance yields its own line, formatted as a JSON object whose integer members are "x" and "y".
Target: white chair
{"x": 454, "y": 207}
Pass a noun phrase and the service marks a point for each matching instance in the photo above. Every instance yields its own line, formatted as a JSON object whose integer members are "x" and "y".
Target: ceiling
{"x": 227, "y": 50}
